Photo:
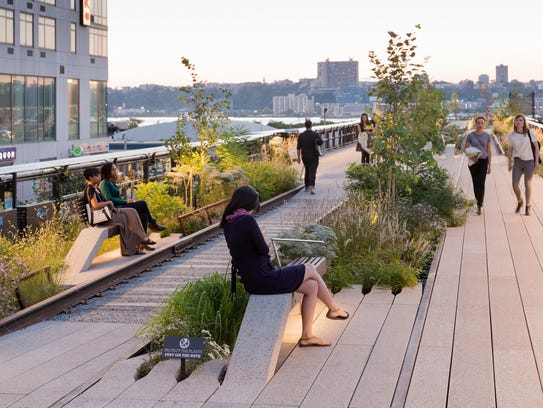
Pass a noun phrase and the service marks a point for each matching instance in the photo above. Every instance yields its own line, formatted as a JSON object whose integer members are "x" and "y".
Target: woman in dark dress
{"x": 251, "y": 259}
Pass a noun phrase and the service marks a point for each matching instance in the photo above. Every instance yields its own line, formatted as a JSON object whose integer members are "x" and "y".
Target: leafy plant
{"x": 203, "y": 304}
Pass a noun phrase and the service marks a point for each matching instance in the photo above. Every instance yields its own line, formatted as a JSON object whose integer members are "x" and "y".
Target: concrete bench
{"x": 88, "y": 242}
{"x": 256, "y": 352}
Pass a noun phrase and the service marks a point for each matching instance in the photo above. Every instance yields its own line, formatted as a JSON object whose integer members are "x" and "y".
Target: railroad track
{"x": 133, "y": 293}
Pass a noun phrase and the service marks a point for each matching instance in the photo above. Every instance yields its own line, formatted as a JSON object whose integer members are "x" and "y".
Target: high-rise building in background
{"x": 337, "y": 74}
{"x": 484, "y": 80}
{"x": 53, "y": 79}
{"x": 298, "y": 104}
{"x": 502, "y": 74}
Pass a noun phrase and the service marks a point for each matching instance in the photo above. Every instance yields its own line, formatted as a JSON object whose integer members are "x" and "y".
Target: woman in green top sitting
{"x": 112, "y": 192}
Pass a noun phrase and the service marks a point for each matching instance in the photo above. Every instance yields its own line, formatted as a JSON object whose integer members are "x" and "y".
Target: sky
{"x": 254, "y": 41}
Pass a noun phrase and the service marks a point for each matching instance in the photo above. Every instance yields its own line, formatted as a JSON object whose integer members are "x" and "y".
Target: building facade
{"x": 298, "y": 104}
{"x": 337, "y": 74}
{"x": 502, "y": 74}
{"x": 53, "y": 79}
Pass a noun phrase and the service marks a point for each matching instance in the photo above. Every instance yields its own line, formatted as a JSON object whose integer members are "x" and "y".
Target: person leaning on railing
{"x": 112, "y": 192}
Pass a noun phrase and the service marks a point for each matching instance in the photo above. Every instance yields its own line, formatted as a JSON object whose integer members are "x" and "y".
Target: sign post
{"x": 183, "y": 348}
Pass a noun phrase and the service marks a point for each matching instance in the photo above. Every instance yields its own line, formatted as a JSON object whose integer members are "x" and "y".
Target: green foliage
{"x": 9, "y": 272}
{"x": 411, "y": 117}
{"x": 375, "y": 245}
{"x": 164, "y": 207}
{"x": 270, "y": 178}
{"x": 134, "y": 123}
{"x": 203, "y": 304}
{"x": 290, "y": 250}
{"x": 207, "y": 118}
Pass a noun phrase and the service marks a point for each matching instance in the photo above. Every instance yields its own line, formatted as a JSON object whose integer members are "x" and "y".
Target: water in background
{"x": 153, "y": 120}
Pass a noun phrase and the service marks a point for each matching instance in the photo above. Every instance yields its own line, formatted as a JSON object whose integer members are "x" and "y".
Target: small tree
{"x": 454, "y": 105}
{"x": 207, "y": 118}
{"x": 411, "y": 115}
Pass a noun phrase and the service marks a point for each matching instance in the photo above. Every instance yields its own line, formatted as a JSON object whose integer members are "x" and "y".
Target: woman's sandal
{"x": 519, "y": 206}
{"x": 528, "y": 207}
{"x": 149, "y": 241}
{"x": 330, "y": 315}
{"x": 313, "y": 342}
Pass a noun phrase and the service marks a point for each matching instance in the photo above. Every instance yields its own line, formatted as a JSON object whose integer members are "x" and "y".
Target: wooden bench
{"x": 88, "y": 242}
{"x": 256, "y": 352}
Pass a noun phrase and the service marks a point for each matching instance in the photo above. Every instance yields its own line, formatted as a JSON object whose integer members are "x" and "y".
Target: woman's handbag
{"x": 98, "y": 216}
{"x": 358, "y": 147}
{"x": 533, "y": 147}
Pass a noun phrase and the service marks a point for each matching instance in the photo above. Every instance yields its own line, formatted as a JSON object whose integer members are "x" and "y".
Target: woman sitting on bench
{"x": 133, "y": 237}
{"x": 251, "y": 259}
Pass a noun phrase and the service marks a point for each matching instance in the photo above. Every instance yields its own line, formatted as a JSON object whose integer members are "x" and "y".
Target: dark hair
{"x": 244, "y": 197}
{"x": 90, "y": 172}
{"x": 106, "y": 171}
{"x": 308, "y": 123}
{"x": 524, "y": 127}
{"x": 480, "y": 117}
{"x": 366, "y": 115}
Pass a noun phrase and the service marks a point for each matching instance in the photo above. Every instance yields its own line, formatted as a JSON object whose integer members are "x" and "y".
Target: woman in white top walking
{"x": 523, "y": 154}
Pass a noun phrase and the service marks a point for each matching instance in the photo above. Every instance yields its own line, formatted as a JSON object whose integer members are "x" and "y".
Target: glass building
{"x": 53, "y": 79}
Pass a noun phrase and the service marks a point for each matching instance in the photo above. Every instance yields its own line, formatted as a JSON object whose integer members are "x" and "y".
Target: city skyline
{"x": 237, "y": 42}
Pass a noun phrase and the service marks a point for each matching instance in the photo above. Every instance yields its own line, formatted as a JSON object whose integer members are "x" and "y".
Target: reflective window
{"x": 73, "y": 109}
{"x": 99, "y": 12}
{"x": 73, "y": 38}
{"x": 47, "y": 103}
{"x": 18, "y": 108}
{"x": 47, "y": 33}
{"x": 31, "y": 109}
{"x": 27, "y": 109}
{"x": 26, "y": 29}
{"x": 98, "y": 42}
{"x": 98, "y": 109}
{"x": 5, "y": 109}
{"x": 6, "y": 26}
{"x": 51, "y": 2}
{"x": 72, "y": 4}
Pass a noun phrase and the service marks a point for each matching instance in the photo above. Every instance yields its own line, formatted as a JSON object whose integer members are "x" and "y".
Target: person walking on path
{"x": 481, "y": 141}
{"x": 306, "y": 148}
{"x": 251, "y": 259}
{"x": 365, "y": 135}
{"x": 523, "y": 155}
{"x": 112, "y": 192}
{"x": 133, "y": 236}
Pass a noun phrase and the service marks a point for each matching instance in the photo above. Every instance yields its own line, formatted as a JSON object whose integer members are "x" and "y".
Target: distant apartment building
{"x": 484, "y": 80}
{"x": 337, "y": 74}
{"x": 53, "y": 79}
{"x": 298, "y": 104}
{"x": 502, "y": 74}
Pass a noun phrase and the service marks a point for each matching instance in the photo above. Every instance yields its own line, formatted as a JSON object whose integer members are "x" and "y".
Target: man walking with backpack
{"x": 306, "y": 148}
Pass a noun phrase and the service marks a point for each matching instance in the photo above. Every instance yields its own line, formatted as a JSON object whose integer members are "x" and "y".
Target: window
{"x": 26, "y": 29}
{"x": 6, "y": 26}
{"x": 73, "y": 38}
{"x": 51, "y": 2}
{"x": 99, "y": 12}
{"x": 98, "y": 112}
{"x": 27, "y": 108}
{"x": 47, "y": 33}
{"x": 98, "y": 42}
{"x": 73, "y": 109}
{"x": 72, "y": 4}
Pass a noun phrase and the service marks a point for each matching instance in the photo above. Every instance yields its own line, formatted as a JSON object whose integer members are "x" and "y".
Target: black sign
{"x": 7, "y": 153}
{"x": 183, "y": 347}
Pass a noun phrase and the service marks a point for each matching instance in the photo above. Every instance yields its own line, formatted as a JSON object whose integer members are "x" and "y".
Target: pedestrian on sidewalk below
{"x": 306, "y": 148}
{"x": 523, "y": 154}
{"x": 251, "y": 259}
{"x": 478, "y": 170}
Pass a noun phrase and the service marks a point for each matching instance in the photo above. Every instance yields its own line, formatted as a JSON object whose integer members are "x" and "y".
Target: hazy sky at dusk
{"x": 242, "y": 40}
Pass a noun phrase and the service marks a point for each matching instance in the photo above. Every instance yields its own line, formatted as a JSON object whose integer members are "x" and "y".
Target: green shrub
{"x": 164, "y": 207}
{"x": 203, "y": 304}
{"x": 270, "y": 178}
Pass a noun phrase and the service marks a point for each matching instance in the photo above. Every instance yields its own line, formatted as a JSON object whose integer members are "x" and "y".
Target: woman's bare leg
{"x": 313, "y": 288}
